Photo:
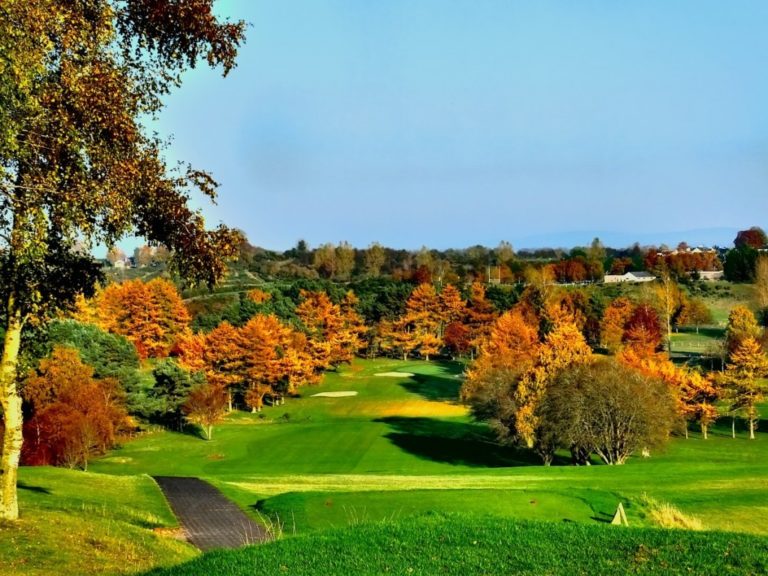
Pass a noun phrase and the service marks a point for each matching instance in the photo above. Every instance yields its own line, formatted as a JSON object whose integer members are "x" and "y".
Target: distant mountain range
{"x": 699, "y": 237}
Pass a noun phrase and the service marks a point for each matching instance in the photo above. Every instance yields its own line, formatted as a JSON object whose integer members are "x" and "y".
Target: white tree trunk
{"x": 10, "y": 399}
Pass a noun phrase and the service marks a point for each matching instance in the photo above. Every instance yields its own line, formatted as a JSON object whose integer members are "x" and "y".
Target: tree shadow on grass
{"x": 456, "y": 443}
{"x": 37, "y": 489}
{"x": 192, "y": 430}
{"x": 723, "y": 427}
{"x": 435, "y": 388}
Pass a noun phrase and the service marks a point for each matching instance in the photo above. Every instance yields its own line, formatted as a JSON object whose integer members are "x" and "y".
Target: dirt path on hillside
{"x": 208, "y": 518}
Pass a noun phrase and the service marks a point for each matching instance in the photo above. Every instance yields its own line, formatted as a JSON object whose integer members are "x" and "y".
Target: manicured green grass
{"x": 400, "y": 451}
{"x": 299, "y": 511}
{"x": 403, "y": 446}
{"x": 721, "y": 481}
{"x": 361, "y": 434}
{"x": 465, "y": 545}
{"x": 82, "y": 523}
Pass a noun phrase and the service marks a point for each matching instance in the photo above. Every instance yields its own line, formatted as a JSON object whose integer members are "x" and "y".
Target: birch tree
{"x": 76, "y": 164}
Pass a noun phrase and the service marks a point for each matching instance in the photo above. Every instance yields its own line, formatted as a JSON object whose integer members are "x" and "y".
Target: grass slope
{"x": 82, "y": 523}
{"x": 465, "y": 545}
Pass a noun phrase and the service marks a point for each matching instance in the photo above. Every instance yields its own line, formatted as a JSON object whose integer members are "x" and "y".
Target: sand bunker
{"x": 336, "y": 394}
{"x": 395, "y": 374}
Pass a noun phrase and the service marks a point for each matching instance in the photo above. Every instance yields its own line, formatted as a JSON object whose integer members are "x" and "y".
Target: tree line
{"x": 527, "y": 355}
{"x": 343, "y": 262}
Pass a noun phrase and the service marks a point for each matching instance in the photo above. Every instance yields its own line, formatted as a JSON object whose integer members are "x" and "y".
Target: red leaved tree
{"x": 74, "y": 415}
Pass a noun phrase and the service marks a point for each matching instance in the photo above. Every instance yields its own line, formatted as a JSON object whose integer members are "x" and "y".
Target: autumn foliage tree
{"x": 695, "y": 394}
{"x": 74, "y": 415}
{"x": 743, "y": 380}
{"x": 452, "y": 307}
{"x": 263, "y": 339}
{"x": 457, "y": 339}
{"x": 642, "y": 332}
{"x": 563, "y": 347}
{"x": 334, "y": 330}
{"x": 510, "y": 350}
{"x": 423, "y": 316}
{"x": 265, "y": 357}
{"x": 694, "y": 312}
{"x": 395, "y": 337}
{"x": 509, "y": 379}
{"x": 352, "y": 337}
{"x": 754, "y": 237}
{"x": 76, "y": 80}
{"x": 222, "y": 359}
{"x": 668, "y": 300}
{"x": 698, "y": 395}
{"x": 206, "y": 405}
{"x": 741, "y": 326}
{"x": 614, "y": 322}
{"x": 151, "y": 315}
{"x": 490, "y": 389}
{"x": 480, "y": 314}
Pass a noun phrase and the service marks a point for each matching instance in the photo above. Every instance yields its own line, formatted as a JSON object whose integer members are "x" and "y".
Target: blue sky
{"x": 453, "y": 123}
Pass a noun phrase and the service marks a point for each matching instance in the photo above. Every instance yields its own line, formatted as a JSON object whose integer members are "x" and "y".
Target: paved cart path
{"x": 208, "y": 518}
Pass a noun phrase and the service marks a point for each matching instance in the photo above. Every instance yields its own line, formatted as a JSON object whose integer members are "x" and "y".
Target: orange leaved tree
{"x": 206, "y": 405}
{"x": 507, "y": 382}
{"x": 642, "y": 331}
{"x": 480, "y": 315}
{"x": 741, "y": 326}
{"x": 422, "y": 318}
{"x": 151, "y": 315}
{"x": 223, "y": 359}
{"x": 263, "y": 338}
{"x": 695, "y": 394}
{"x": 505, "y": 356}
{"x": 323, "y": 324}
{"x": 614, "y": 321}
{"x": 563, "y": 347}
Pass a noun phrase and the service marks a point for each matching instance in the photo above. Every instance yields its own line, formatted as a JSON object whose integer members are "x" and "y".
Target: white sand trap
{"x": 394, "y": 374}
{"x": 336, "y": 394}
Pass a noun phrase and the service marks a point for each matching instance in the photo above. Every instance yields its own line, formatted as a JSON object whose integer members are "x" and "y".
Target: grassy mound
{"x": 81, "y": 523}
{"x": 467, "y": 545}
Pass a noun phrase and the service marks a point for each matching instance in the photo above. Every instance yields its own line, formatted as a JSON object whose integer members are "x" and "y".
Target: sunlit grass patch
{"x": 666, "y": 515}
{"x": 418, "y": 408}
{"x": 77, "y": 523}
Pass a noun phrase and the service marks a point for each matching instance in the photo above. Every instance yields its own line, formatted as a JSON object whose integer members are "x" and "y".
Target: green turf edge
{"x": 466, "y": 545}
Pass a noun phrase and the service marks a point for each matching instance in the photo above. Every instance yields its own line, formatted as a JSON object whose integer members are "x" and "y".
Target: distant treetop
{"x": 755, "y": 237}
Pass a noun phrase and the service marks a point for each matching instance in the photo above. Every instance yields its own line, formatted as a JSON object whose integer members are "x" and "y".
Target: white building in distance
{"x": 629, "y": 277}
